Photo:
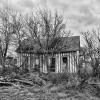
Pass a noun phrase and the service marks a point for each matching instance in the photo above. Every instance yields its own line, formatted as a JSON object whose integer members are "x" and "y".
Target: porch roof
{"x": 65, "y": 44}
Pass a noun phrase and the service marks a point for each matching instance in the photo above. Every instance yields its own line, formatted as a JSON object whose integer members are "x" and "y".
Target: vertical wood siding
{"x": 60, "y": 63}
{"x": 72, "y": 58}
{"x": 57, "y": 63}
{"x": 29, "y": 61}
{"x": 68, "y": 62}
{"x": 44, "y": 66}
{"x": 77, "y": 56}
{"x": 72, "y": 63}
{"x": 41, "y": 63}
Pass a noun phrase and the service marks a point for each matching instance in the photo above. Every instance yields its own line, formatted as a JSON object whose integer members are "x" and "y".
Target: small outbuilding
{"x": 63, "y": 60}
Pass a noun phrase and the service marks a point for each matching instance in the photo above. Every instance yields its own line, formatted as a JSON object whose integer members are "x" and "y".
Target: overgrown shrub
{"x": 63, "y": 78}
{"x": 73, "y": 79}
{"x": 58, "y": 78}
{"x": 85, "y": 70}
{"x": 7, "y": 70}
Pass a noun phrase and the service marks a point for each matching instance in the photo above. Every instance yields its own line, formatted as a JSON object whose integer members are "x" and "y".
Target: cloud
{"x": 81, "y": 13}
{"x": 3, "y": 3}
{"x": 26, "y": 3}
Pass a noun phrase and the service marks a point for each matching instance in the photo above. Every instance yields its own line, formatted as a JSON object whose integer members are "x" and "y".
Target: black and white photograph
{"x": 49, "y": 49}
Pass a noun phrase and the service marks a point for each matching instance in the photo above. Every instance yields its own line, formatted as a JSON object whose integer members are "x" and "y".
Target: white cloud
{"x": 81, "y": 13}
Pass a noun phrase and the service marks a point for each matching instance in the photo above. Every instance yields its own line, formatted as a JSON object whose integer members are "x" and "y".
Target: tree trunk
{"x": 3, "y": 63}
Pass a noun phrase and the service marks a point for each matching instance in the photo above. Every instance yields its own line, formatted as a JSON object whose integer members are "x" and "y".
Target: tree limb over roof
{"x": 65, "y": 44}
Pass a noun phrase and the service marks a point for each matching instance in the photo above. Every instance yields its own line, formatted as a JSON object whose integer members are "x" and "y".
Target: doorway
{"x": 52, "y": 66}
{"x": 65, "y": 63}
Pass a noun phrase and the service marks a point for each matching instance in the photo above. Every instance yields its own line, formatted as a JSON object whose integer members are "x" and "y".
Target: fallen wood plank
{"x": 6, "y": 84}
{"x": 94, "y": 83}
{"x": 24, "y": 82}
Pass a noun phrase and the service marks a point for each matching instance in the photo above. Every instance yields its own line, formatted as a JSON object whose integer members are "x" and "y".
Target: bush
{"x": 68, "y": 79}
{"x": 85, "y": 70}
{"x": 58, "y": 78}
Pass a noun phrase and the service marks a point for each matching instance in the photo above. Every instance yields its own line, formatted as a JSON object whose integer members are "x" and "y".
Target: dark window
{"x": 15, "y": 61}
{"x": 64, "y": 59}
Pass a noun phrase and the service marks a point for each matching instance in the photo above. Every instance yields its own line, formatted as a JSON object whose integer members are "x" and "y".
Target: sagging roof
{"x": 62, "y": 44}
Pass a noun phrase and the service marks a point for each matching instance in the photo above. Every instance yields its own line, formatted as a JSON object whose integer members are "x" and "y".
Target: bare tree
{"x": 91, "y": 48}
{"x": 6, "y": 34}
{"x": 10, "y": 32}
{"x": 46, "y": 30}
{"x": 97, "y": 35}
{"x": 90, "y": 45}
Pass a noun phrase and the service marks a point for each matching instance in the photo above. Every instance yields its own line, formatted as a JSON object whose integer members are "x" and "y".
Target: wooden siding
{"x": 72, "y": 60}
{"x": 41, "y": 57}
{"x": 71, "y": 66}
{"x": 44, "y": 66}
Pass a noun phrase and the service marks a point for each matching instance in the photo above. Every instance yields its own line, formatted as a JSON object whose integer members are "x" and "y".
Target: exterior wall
{"x": 44, "y": 65}
{"x": 77, "y": 56}
{"x": 58, "y": 63}
{"x": 20, "y": 60}
{"x": 72, "y": 60}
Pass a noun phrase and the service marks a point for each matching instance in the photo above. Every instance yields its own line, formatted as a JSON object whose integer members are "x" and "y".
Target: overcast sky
{"x": 79, "y": 14}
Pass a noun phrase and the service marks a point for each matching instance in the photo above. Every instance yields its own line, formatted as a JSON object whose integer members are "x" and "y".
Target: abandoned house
{"x": 63, "y": 60}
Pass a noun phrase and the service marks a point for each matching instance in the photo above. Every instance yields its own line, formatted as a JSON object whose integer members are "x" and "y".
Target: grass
{"x": 48, "y": 91}
{"x": 36, "y": 93}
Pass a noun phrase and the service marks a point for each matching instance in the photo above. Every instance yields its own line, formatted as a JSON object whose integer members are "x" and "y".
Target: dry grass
{"x": 47, "y": 91}
{"x": 40, "y": 93}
